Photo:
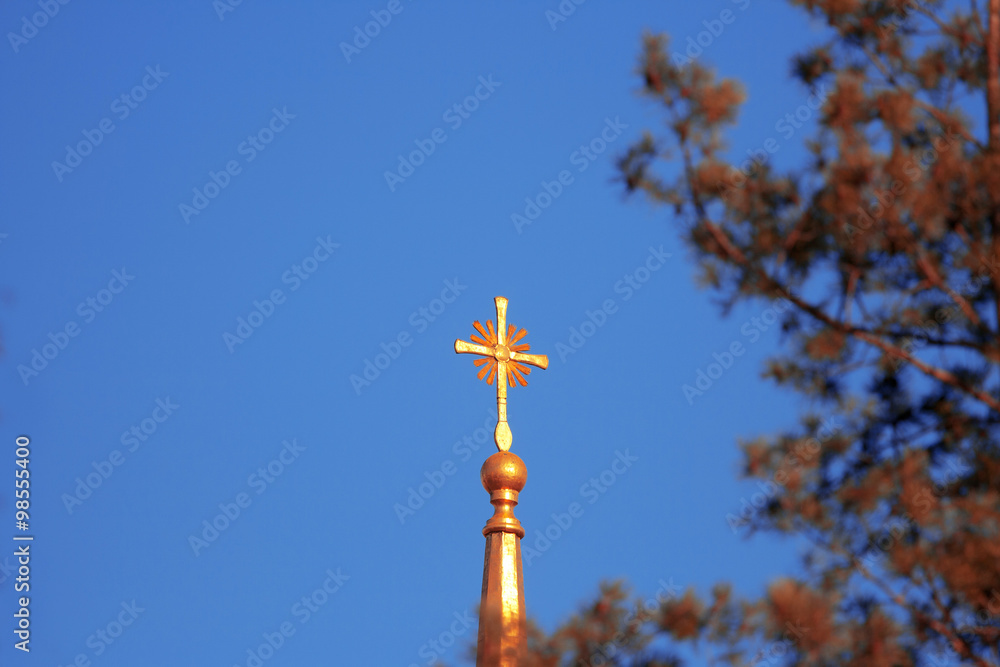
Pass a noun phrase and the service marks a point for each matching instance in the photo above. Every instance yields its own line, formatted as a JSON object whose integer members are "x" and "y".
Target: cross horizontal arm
{"x": 539, "y": 360}
{"x": 462, "y": 346}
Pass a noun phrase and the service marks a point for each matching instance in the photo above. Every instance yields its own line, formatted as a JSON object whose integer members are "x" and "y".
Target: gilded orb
{"x": 504, "y": 470}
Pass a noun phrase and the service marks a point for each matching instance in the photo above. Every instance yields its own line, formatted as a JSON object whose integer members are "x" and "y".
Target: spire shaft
{"x": 502, "y": 619}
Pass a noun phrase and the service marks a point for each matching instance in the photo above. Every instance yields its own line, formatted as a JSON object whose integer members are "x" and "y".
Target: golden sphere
{"x": 504, "y": 470}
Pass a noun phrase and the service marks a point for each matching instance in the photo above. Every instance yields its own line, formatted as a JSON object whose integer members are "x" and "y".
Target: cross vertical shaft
{"x": 505, "y": 360}
{"x": 502, "y": 435}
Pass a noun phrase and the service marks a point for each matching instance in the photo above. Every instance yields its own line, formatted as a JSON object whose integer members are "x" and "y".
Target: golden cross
{"x": 504, "y": 359}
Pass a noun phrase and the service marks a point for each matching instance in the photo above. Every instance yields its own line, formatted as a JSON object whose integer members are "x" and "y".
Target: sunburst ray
{"x": 487, "y": 339}
{"x": 486, "y": 335}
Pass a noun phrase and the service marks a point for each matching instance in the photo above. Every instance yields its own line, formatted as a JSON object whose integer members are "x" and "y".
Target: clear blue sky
{"x": 219, "y": 162}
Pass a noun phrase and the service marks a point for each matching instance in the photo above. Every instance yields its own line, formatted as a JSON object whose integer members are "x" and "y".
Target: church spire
{"x": 502, "y": 619}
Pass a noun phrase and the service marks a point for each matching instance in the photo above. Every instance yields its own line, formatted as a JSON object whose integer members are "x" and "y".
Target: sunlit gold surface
{"x": 502, "y": 629}
{"x": 502, "y": 358}
{"x": 503, "y": 476}
{"x": 502, "y": 624}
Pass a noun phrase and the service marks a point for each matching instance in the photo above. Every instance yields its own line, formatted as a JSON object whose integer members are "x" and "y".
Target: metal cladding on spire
{"x": 502, "y": 618}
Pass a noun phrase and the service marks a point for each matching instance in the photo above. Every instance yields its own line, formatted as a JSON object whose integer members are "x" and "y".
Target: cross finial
{"x": 505, "y": 360}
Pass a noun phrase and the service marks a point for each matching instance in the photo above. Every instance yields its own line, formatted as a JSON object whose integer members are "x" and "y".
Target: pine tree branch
{"x": 937, "y": 342}
{"x": 738, "y": 257}
{"x": 890, "y": 78}
{"x": 948, "y": 124}
{"x": 976, "y": 18}
{"x": 937, "y": 373}
{"x": 993, "y": 77}
{"x": 959, "y": 644}
{"x": 935, "y": 279}
{"x": 942, "y": 26}
{"x": 993, "y": 122}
